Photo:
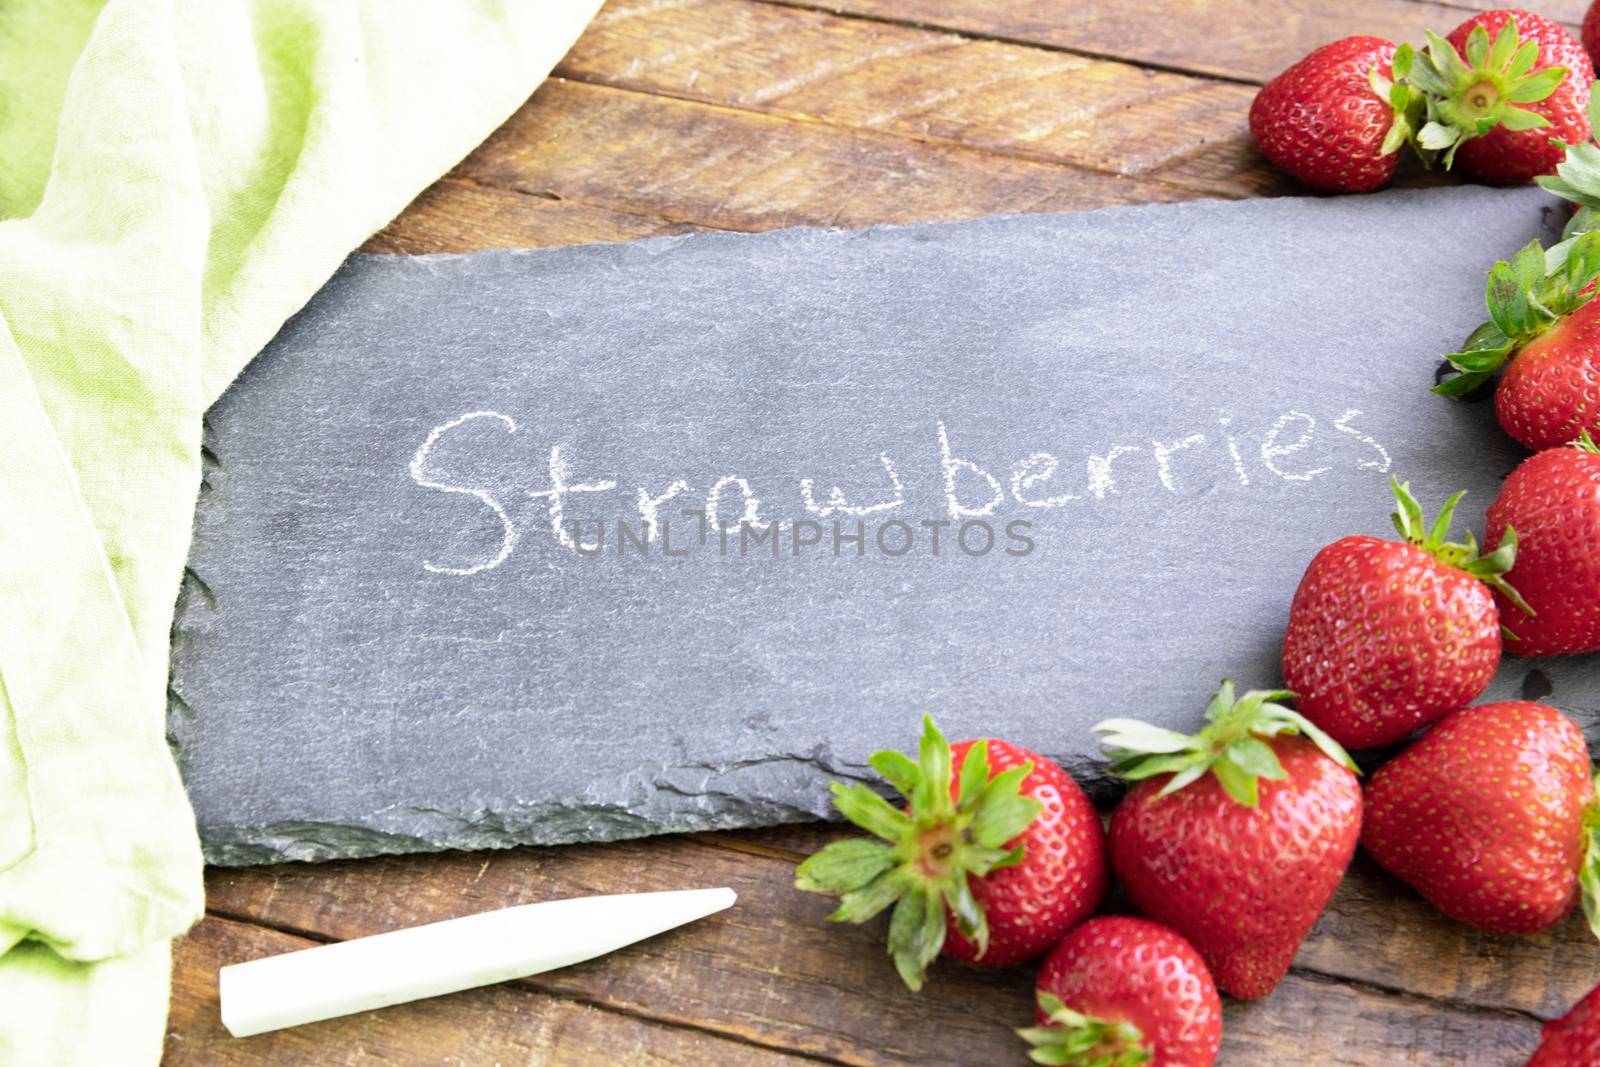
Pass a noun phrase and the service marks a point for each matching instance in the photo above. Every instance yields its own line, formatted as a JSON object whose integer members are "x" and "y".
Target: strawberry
{"x": 1544, "y": 330}
{"x": 1235, "y": 837}
{"x": 1474, "y": 81}
{"x": 998, "y": 854}
{"x": 1574, "y": 1039}
{"x": 1329, "y": 121}
{"x": 1492, "y": 816}
{"x": 1553, "y": 500}
{"x": 1387, "y": 636}
{"x": 1119, "y": 990}
{"x": 1589, "y": 34}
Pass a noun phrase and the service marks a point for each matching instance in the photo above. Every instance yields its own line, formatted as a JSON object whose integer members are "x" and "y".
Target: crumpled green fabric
{"x": 177, "y": 177}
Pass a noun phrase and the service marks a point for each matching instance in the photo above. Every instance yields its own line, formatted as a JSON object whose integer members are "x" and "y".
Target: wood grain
{"x": 931, "y": 87}
{"x": 772, "y": 970}
{"x": 710, "y": 166}
{"x": 1248, "y": 42}
{"x": 457, "y": 216}
{"x": 505, "y": 1024}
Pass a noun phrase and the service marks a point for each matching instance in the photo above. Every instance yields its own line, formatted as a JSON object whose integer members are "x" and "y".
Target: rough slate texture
{"x": 1222, "y": 388}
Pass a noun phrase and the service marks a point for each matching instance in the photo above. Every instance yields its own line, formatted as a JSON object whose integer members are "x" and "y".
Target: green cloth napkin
{"x": 177, "y": 177}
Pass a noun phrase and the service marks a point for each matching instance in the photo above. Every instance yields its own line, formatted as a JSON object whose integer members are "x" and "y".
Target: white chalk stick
{"x": 444, "y": 957}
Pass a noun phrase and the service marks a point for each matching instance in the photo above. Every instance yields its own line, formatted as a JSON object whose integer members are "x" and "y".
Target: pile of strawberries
{"x": 1230, "y": 841}
{"x": 1499, "y": 95}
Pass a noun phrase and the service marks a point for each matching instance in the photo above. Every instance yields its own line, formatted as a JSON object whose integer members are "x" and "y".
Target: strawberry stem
{"x": 1526, "y": 296}
{"x": 1073, "y": 1039}
{"x": 1589, "y": 870}
{"x": 928, "y": 852}
{"x": 1462, "y": 555}
{"x": 1467, "y": 95}
{"x": 1230, "y": 746}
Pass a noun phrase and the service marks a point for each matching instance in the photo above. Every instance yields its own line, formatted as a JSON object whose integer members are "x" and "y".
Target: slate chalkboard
{"x": 595, "y": 542}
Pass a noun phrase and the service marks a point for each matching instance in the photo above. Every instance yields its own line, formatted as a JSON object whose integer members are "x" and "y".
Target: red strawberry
{"x": 1590, "y": 32}
{"x": 1574, "y": 1039}
{"x": 1489, "y": 816}
{"x": 1000, "y": 836}
{"x": 1120, "y": 990}
{"x": 1242, "y": 859}
{"x": 1544, "y": 329}
{"x": 1387, "y": 636}
{"x": 1553, "y": 500}
{"x": 1550, "y": 393}
{"x": 1328, "y": 121}
{"x": 1502, "y": 93}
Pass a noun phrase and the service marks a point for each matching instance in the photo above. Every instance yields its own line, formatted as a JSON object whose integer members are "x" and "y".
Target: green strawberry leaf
{"x": 1073, "y": 1039}
{"x": 916, "y": 933}
{"x": 870, "y": 811}
{"x": 1518, "y": 118}
{"x": 1577, "y": 176}
{"x": 1255, "y": 757}
{"x": 974, "y": 776}
{"x": 1141, "y": 736}
{"x": 859, "y": 905}
{"x": 1538, "y": 86}
{"x": 1236, "y": 782}
{"x": 1003, "y": 818}
{"x": 897, "y": 769}
{"x": 1231, "y": 746}
{"x": 844, "y": 866}
{"x": 1589, "y": 871}
{"x": 1462, "y": 384}
{"x": 957, "y": 893}
{"x": 932, "y": 791}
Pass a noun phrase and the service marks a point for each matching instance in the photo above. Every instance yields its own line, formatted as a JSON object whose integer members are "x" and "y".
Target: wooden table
{"x": 676, "y": 115}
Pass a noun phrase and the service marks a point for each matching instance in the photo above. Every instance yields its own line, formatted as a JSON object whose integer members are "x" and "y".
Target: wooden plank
{"x": 772, "y": 969}
{"x": 505, "y": 1024}
{"x": 1316, "y": 1021}
{"x": 1568, "y": 11}
{"x": 1378, "y": 930}
{"x": 709, "y": 166}
{"x": 930, "y": 86}
{"x": 1375, "y": 931}
{"x": 1244, "y": 41}
{"x": 456, "y": 216}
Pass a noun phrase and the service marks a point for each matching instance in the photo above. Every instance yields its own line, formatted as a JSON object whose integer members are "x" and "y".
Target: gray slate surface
{"x": 346, "y": 690}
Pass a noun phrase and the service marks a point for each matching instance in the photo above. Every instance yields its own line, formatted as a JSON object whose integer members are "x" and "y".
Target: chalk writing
{"x": 1292, "y": 449}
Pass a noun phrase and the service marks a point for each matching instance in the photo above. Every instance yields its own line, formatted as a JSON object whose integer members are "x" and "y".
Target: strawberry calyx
{"x": 1577, "y": 178}
{"x": 1589, "y": 869}
{"x": 1408, "y": 104}
{"x": 928, "y": 850}
{"x": 1467, "y": 95}
{"x": 1462, "y": 555}
{"x": 1073, "y": 1039}
{"x": 1526, "y": 296}
{"x": 1585, "y": 443}
{"x": 1230, "y": 746}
